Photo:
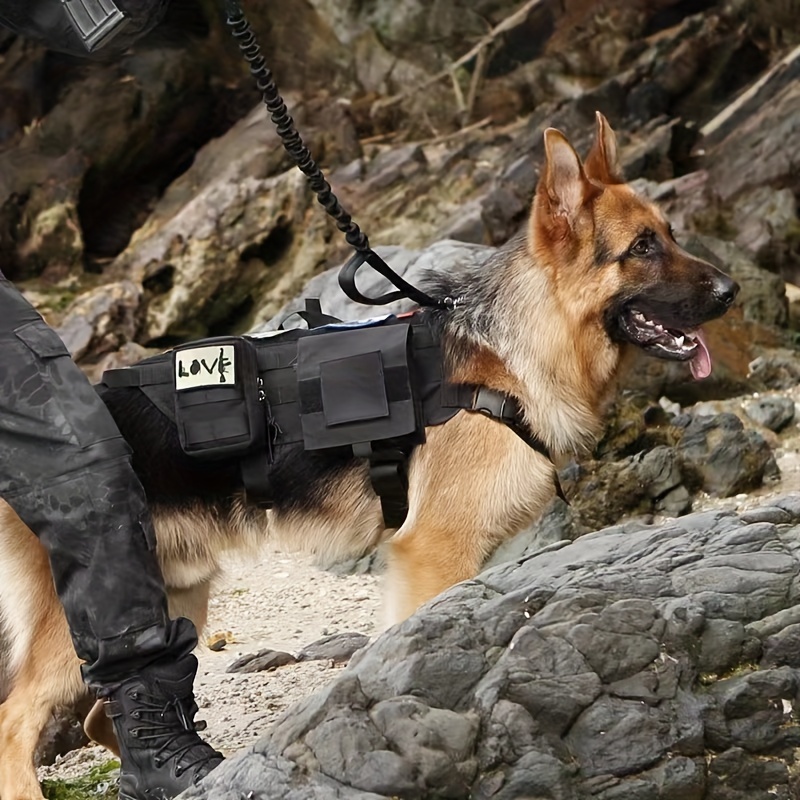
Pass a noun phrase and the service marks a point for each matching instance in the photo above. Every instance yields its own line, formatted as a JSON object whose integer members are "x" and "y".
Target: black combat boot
{"x": 153, "y": 716}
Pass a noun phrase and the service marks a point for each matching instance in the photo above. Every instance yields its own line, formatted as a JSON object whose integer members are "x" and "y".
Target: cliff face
{"x": 153, "y": 182}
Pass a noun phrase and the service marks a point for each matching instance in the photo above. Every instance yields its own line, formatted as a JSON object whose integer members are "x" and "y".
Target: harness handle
{"x": 312, "y": 315}
{"x": 347, "y": 282}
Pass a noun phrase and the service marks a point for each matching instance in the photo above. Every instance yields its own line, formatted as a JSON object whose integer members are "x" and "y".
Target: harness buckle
{"x": 388, "y": 474}
{"x": 493, "y": 404}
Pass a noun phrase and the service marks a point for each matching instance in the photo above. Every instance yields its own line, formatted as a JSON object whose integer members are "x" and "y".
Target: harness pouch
{"x": 357, "y": 386}
{"x": 219, "y": 408}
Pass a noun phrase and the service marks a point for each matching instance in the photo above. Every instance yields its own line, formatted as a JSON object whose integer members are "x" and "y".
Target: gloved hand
{"x": 83, "y": 27}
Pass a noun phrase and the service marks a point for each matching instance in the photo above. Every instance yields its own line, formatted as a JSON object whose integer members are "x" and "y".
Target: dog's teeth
{"x": 679, "y": 341}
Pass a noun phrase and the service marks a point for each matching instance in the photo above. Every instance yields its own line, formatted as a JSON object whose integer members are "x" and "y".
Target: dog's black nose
{"x": 725, "y": 289}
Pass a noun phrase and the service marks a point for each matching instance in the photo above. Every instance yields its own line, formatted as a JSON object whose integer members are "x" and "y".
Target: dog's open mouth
{"x": 668, "y": 342}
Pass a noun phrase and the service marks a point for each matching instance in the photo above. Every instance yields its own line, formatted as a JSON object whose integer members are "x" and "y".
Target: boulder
{"x": 67, "y": 178}
{"x": 725, "y": 458}
{"x": 641, "y": 661}
{"x": 650, "y": 482}
{"x": 774, "y": 411}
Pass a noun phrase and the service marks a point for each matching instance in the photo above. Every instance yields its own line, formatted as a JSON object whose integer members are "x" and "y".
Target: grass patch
{"x": 99, "y": 783}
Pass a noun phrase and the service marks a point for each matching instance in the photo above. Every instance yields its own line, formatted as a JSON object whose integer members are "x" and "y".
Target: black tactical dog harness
{"x": 371, "y": 387}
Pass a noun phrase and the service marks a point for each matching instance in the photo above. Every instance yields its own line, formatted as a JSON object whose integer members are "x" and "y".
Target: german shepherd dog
{"x": 548, "y": 319}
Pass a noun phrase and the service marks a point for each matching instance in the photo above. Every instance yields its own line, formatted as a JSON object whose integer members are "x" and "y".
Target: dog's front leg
{"x": 19, "y": 735}
{"x": 473, "y": 484}
{"x": 424, "y": 562}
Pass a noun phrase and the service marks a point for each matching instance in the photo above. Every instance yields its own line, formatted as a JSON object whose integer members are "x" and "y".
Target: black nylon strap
{"x": 388, "y": 474}
{"x": 255, "y": 469}
{"x": 312, "y": 315}
{"x": 506, "y": 409}
{"x": 347, "y": 280}
{"x": 139, "y": 375}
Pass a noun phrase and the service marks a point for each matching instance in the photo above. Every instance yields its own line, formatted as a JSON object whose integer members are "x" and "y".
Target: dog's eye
{"x": 641, "y": 247}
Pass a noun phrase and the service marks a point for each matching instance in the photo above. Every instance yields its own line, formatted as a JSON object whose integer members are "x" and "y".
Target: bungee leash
{"x": 300, "y": 154}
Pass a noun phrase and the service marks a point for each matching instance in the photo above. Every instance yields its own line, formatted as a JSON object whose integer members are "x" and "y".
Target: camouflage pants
{"x": 65, "y": 470}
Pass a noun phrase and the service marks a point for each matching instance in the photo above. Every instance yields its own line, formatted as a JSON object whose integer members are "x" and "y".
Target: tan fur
{"x": 45, "y": 668}
{"x": 348, "y": 524}
{"x": 473, "y": 484}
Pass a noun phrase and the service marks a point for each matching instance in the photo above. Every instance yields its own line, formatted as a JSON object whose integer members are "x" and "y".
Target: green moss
{"x": 710, "y": 678}
{"x": 99, "y": 783}
{"x": 713, "y": 222}
{"x": 62, "y": 301}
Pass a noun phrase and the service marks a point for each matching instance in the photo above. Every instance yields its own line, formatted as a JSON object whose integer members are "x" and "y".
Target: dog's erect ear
{"x": 563, "y": 186}
{"x": 602, "y": 163}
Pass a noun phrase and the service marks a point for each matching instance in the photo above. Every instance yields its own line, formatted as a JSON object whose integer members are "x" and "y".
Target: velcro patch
{"x": 205, "y": 366}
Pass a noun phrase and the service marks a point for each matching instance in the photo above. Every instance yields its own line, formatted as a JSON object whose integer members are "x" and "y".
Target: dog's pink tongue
{"x": 701, "y": 363}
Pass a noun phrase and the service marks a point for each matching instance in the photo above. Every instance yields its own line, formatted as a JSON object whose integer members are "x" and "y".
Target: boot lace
{"x": 161, "y": 718}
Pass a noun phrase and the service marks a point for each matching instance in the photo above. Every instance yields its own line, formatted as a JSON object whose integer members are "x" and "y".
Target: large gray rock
{"x": 725, "y": 457}
{"x": 411, "y": 265}
{"x": 774, "y": 412}
{"x": 636, "y": 662}
{"x": 64, "y": 178}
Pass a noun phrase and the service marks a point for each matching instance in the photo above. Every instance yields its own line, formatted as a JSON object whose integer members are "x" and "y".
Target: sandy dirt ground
{"x": 279, "y": 601}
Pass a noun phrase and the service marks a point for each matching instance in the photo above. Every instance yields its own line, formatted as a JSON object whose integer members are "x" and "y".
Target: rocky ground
{"x": 284, "y": 602}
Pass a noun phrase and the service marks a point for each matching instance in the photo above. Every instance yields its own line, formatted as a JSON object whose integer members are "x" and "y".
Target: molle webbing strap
{"x": 388, "y": 474}
{"x": 255, "y": 471}
{"x": 145, "y": 374}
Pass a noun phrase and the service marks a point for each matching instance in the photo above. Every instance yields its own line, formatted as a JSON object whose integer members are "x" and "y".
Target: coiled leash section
{"x": 300, "y": 154}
